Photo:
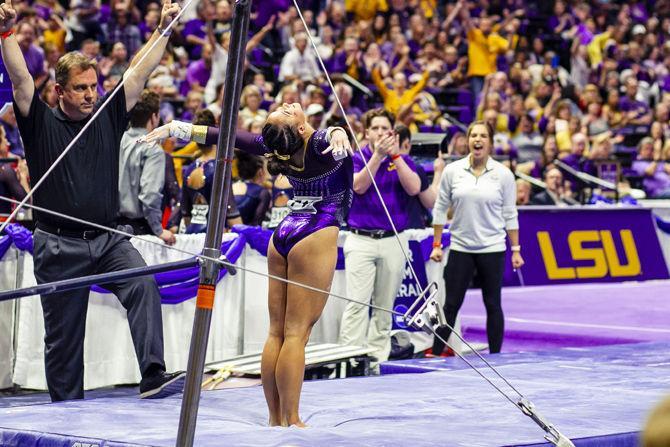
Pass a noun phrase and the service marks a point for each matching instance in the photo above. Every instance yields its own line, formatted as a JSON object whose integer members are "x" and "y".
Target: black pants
{"x": 59, "y": 257}
{"x": 458, "y": 273}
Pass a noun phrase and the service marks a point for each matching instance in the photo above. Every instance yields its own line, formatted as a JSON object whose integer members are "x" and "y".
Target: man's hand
{"x": 7, "y": 16}
{"x": 437, "y": 254}
{"x": 169, "y": 12}
{"x": 384, "y": 144}
{"x": 167, "y": 237}
{"x": 394, "y": 148}
{"x": 271, "y": 24}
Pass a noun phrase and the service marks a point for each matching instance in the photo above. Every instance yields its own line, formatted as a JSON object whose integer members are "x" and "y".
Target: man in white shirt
{"x": 528, "y": 135}
{"x": 299, "y": 63}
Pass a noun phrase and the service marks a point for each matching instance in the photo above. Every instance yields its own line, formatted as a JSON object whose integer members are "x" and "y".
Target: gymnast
{"x": 304, "y": 245}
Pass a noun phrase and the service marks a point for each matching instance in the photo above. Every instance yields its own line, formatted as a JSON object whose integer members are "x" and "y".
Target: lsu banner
{"x": 580, "y": 245}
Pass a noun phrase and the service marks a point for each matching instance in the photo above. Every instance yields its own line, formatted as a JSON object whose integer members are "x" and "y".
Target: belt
{"x": 374, "y": 234}
{"x": 86, "y": 235}
{"x": 139, "y": 225}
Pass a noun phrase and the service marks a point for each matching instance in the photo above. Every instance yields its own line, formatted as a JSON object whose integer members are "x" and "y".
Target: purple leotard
{"x": 323, "y": 189}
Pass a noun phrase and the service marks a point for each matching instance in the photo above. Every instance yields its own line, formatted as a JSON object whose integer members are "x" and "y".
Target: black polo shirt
{"x": 85, "y": 183}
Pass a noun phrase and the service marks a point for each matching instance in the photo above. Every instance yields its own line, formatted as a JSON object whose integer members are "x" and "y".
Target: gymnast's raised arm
{"x": 245, "y": 141}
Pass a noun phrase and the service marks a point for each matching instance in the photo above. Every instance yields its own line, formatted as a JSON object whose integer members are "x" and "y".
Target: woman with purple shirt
{"x": 304, "y": 245}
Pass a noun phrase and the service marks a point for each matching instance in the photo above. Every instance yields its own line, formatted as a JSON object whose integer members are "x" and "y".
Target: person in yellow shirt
{"x": 399, "y": 94}
{"x": 424, "y": 109}
{"x": 55, "y": 33}
{"x": 596, "y": 47}
{"x": 484, "y": 46}
{"x": 365, "y": 10}
{"x": 428, "y": 8}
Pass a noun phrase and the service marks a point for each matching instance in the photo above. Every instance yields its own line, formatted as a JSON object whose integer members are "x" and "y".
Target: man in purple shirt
{"x": 198, "y": 72}
{"x": 575, "y": 159}
{"x": 119, "y": 29}
{"x": 349, "y": 60}
{"x": 195, "y": 31}
{"x": 653, "y": 169}
{"x": 34, "y": 56}
{"x": 636, "y": 113}
{"x": 374, "y": 258}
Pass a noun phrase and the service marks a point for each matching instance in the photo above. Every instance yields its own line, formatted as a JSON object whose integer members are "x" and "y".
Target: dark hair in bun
{"x": 284, "y": 141}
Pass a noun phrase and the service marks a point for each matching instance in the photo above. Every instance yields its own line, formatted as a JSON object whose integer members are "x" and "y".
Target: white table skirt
{"x": 239, "y": 321}
{"x": 8, "y": 275}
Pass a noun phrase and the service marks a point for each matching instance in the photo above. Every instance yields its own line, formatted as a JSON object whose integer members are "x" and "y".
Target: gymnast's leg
{"x": 277, "y": 306}
{"x": 311, "y": 262}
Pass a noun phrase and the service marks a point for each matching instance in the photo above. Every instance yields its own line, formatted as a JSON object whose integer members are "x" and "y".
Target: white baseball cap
{"x": 639, "y": 29}
{"x": 314, "y": 109}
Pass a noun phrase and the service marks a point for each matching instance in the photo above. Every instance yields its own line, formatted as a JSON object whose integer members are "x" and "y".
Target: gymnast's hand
{"x": 7, "y": 16}
{"x": 339, "y": 144}
{"x": 517, "y": 260}
{"x": 179, "y": 129}
{"x": 156, "y": 135}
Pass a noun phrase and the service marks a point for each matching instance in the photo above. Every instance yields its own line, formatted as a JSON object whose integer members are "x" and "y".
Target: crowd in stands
{"x": 584, "y": 83}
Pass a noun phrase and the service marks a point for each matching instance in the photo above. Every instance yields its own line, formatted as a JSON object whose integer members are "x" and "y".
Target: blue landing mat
{"x": 652, "y": 354}
{"x": 42, "y": 397}
{"x": 597, "y": 398}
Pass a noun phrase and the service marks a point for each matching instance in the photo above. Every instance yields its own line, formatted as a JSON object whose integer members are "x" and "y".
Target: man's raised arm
{"x": 135, "y": 81}
{"x": 23, "y": 86}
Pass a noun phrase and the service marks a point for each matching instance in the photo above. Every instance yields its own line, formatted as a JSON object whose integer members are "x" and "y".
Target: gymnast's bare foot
{"x": 274, "y": 423}
{"x": 297, "y": 422}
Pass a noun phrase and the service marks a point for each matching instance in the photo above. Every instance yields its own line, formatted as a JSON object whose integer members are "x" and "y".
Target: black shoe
{"x": 162, "y": 385}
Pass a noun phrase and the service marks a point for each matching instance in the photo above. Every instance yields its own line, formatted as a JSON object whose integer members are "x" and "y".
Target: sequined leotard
{"x": 323, "y": 188}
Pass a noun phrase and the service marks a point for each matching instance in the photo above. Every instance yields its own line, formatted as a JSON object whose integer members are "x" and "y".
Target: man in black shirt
{"x": 85, "y": 185}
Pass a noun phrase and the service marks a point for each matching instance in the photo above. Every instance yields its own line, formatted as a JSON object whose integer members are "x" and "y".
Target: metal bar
{"x": 86, "y": 281}
{"x": 584, "y": 177}
{"x": 360, "y": 86}
{"x": 531, "y": 180}
{"x": 218, "y": 207}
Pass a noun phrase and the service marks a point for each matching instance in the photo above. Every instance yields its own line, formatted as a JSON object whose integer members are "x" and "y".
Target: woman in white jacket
{"x": 482, "y": 194}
